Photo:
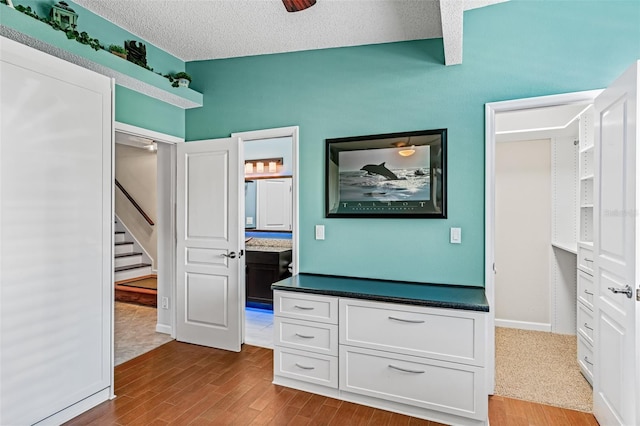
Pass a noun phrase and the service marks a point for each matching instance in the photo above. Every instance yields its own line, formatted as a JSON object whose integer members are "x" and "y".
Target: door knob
{"x": 626, "y": 290}
{"x": 231, "y": 255}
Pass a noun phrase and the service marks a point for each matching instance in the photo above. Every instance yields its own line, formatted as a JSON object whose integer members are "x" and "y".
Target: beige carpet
{"x": 540, "y": 367}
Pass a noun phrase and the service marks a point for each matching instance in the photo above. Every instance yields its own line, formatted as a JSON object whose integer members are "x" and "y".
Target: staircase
{"x": 132, "y": 270}
{"x": 128, "y": 263}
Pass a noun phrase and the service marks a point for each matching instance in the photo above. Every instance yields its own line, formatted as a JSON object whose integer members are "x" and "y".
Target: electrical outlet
{"x": 165, "y": 303}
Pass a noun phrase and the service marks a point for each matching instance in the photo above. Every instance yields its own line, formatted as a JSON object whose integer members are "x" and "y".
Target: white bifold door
{"x": 210, "y": 243}
{"x": 56, "y": 235}
{"x": 616, "y": 381}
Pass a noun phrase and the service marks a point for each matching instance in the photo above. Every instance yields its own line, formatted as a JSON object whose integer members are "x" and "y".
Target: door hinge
{"x": 638, "y": 294}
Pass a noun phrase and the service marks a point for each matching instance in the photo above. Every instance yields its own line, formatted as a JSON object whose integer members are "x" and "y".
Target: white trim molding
{"x": 523, "y": 325}
{"x": 281, "y": 132}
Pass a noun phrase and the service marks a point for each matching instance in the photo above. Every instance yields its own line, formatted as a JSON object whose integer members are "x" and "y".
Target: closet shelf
{"x": 586, "y": 206}
{"x": 587, "y": 177}
{"x": 568, "y": 247}
{"x": 586, "y": 149}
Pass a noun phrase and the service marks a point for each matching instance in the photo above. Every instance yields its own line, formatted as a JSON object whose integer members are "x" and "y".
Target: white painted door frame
{"x": 166, "y": 236}
{"x": 166, "y": 220}
{"x": 293, "y": 133}
{"x": 491, "y": 109}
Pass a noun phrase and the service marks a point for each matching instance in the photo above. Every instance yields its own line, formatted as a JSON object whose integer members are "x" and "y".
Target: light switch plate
{"x": 249, "y": 220}
{"x": 456, "y": 235}
{"x": 319, "y": 232}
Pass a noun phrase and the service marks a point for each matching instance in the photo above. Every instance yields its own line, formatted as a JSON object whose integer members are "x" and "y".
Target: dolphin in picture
{"x": 380, "y": 169}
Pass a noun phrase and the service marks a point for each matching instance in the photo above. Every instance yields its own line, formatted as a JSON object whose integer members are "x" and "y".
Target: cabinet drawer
{"x": 585, "y": 259}
{"x": 585, "y": 323}
{"x": 447, "y": 387}
{"x": 585, "y": 359}
{"x": 305, "y": 306}
{"x": 306, "y": 335}
{"x": 585, "y": 289}
{"x": 306, "y": 366}
{"x": 446, "y": 334}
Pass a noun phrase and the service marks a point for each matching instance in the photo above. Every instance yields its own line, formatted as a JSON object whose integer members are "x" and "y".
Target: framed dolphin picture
{"x": 394, "y": 175}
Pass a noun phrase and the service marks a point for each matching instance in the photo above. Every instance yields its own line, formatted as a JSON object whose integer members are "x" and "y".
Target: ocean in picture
{"x": 413, "y": 184}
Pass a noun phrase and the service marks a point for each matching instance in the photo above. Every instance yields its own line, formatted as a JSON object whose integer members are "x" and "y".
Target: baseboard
{"x": 163, "y": 328}
{"x": 523, "y": 325}
{"x": 76, "y": 409}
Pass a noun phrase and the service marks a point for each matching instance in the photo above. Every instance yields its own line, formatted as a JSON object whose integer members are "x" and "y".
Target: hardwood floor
{"x": 182, "y": 384}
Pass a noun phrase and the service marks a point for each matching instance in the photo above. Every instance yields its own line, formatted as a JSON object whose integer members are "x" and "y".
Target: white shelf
{"x": 587, "y": 149}
{"x": 587, "y": 244}
{"x": 587, "y": 177}
{"x": 586, "y": 206}
{"x": 568, "y": 247}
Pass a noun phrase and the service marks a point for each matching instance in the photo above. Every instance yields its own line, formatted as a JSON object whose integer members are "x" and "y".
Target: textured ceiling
{"x": 213, "y": 29}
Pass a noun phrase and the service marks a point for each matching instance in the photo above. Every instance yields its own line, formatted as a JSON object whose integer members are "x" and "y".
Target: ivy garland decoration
{"x": 80, "y": 37}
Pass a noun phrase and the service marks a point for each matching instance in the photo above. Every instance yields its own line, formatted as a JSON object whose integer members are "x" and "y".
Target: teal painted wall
{"x": 131, "y": 107}
{"x": 511, "y": 50}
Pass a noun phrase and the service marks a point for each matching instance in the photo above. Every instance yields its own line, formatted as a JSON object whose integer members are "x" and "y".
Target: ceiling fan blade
{"x": 297, "y": 5}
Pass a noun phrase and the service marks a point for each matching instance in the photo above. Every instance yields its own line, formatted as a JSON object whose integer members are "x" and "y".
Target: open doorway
{"x": 532, "y": 221}
{"x": 270, "y": 221}
{"x": 142, "y": 195}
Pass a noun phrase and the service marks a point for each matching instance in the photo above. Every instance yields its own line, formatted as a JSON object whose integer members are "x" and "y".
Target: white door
{"x": 616, "y": 382}
{"x": 56, "y": 299}
{"x": 273, "y": 202}
{"x": 210, "y": 243}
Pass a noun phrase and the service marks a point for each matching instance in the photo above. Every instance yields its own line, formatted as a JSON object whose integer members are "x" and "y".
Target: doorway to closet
{"x": 533, "y": 224}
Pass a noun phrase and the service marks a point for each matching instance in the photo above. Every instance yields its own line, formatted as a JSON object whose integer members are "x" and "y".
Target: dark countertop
{"x": 433, "y": 295}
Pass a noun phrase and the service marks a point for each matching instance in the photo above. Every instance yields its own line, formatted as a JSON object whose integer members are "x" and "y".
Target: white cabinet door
{"x": 56, "y": 217}
{"x": 274, "y": 204}
{"x": 210, "y": 243}
{"x": 616, "y": 379}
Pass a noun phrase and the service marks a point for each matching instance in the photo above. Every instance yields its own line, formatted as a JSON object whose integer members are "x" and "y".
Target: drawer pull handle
{"x": 407, "y": 320}
{"x": 588, "y": 260}
{"x": 304, "y": 367}
{"x": 587, "y": 327}
{"x": 406, "y": 370}
{"x": 587, "y": 360}
{"x": 305, "y": 337}
{"x": 304, "y": 308}
{"x": 587, "y": 292}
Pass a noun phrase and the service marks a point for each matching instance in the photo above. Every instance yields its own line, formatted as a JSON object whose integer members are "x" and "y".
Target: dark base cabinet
{"x": 263, "y": 269}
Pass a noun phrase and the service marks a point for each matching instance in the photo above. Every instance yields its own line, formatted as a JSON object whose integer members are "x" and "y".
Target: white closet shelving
{"x": 584, "y": 304}
{"x": 564, "y": 229}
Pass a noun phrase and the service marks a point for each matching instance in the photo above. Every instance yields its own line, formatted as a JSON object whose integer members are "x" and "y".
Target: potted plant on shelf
{"x": 182, "y": 79}
{"x": 118, "y": 51}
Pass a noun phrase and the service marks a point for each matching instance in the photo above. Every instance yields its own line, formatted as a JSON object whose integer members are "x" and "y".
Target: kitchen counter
{"x": 270, "y": 249}
{"x": 433, "y": 295}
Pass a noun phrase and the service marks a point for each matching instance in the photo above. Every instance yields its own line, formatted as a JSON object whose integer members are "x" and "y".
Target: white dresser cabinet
{"x": 306, "y": 341}
{"x": 421, "y": 361}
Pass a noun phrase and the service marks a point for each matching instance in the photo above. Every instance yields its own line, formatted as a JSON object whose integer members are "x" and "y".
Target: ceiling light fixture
{"x": 269, "y": 165}
{"x": 407, "y": 152}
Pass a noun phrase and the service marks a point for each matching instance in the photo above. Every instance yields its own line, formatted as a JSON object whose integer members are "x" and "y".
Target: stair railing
{"x": 136, "y": 205}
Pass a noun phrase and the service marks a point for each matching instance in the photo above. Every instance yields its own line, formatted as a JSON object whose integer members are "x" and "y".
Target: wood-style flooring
{"x": 182, "y": 384}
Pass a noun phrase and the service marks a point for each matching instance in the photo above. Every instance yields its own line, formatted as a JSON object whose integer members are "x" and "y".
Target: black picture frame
{"x": 392, "y": 175}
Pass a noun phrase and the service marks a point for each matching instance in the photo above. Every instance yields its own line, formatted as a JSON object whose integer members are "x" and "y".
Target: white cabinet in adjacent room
{"x": 274, "y": 206}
